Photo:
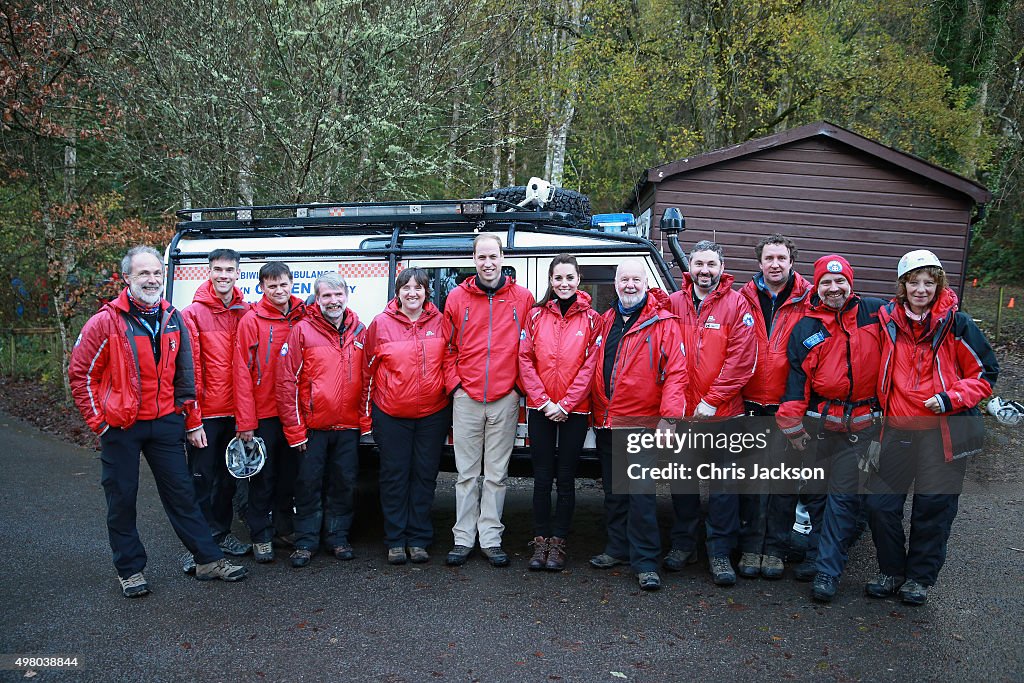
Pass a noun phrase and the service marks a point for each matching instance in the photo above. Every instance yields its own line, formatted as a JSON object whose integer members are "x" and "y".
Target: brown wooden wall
{"x": 829, "y": 198}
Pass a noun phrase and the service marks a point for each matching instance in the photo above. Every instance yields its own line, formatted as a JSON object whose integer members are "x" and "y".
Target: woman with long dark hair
{"x": 405, "y": 394}
{"x": 936, "y": 367}
{"x": 557, "y": 357}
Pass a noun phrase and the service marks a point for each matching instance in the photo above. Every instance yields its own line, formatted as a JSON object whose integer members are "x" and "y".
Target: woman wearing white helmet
{"x": 936, "y": 366}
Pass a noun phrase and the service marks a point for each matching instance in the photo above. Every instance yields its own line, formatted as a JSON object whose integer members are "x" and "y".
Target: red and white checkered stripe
{"x": 190, "y": 273}
{"x": 358, "y": 270}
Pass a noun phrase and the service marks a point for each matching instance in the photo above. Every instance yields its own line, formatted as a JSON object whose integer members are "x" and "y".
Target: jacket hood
{"x": 121, "y": 303}
{"x": 801, "y": 287}
{"x": 393, "y": 310}
{"x": 265, "y": 309}
{"x": 582, "y": 303}
{"x": 208, "y": 297}
{"x": 470, "y": 284}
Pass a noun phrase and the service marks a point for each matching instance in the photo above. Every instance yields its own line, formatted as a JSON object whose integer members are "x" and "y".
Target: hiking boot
{"x": 221, "y": 569}
{"x": 134, "y": 586}
{"x": 300, "y": 557}
{"x": 605, "y": 561}
{"x": 540, "y": 553}
{"x": 496, "y": 556}
{"x": 230, "y": 545}
{"x": 806, "y": 570}
{"x": 458, "y": 555}
{"x": 344, "y": 552}
{"x": 556, "y": 554}
{"x": 649, "y": 581}
{"x": 418, "y": 555}
{"x": 397, "y": 556}
{"x": 721, "y": 571}
{"x": 913, "y": 593}
{"x": 772, "y": 567}
{"x": 883, "y": 586}
{"x": 188, "y": 563}
{"x": 263, "y": 552}
{"x": 677, "y": 559}
{"x": 825, "y": 587}
{"x": 749, "y": 566}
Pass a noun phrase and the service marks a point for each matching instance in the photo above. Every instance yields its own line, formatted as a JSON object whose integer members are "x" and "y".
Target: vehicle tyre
{"x": 571, "y": 202}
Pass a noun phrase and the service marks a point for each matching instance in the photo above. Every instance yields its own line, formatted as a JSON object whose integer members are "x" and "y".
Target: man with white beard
{"x": 641, "y": 381}
{"x": 319, "y": 384}
{"x": 132, "y": 377}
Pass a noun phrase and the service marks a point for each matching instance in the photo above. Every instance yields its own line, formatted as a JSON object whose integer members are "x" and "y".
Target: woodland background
{"x": 116, "y": 113}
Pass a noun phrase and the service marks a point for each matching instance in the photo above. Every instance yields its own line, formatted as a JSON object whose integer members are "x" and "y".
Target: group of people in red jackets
{"x": 820, "y": 364}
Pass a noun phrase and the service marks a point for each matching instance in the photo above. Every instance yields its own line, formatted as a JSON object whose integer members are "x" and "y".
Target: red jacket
{"x": 769, "y": 381}
{"x": 212, "y": 327}
{"x": 115, "y": 376}
{"x": 486, "y": 330}
{"x": 261, "y": 334}
{"x": 558, "y": 355}
{"x": 954, "y": 353}
{"x": 320, "y": 376}
{"x": 721, "y": 345}
{"x": 833, "y": 361}
{"x": 404, "y": 373}
{"x": 650, "y": 378}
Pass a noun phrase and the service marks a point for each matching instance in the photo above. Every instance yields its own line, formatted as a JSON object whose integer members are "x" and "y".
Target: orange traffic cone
{"x": 975, "y": 283}
{"x": 1010, "y": 305}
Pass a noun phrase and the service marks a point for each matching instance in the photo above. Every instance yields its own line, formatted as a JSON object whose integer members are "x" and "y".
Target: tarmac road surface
{"x": 366, "y": 620}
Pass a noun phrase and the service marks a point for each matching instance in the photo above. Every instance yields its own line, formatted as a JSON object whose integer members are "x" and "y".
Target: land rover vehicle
{"x": 370, "y": 243}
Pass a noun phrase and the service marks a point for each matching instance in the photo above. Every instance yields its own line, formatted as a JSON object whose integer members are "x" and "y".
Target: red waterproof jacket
{"x": 404, "y": 372}
{"x": 769, "y": 381}
{"x": 650, "y": 376}
{"x": 320, "y": 376}
{"x": 721, "y": 345}
{"x": 212, "y": 326}
{"x": 954, "y": 354}
{"x": 558, "y": 355}
{"x": 833, "y": 368}
{"x": 486, "y": 329}
{"x": 261, "y": 334}
{"x": 116, "y": 378}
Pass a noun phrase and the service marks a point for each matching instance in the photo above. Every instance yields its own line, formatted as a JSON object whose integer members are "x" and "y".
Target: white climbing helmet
{"x": 919, "y": 258}
{"x": 245, "y": 459}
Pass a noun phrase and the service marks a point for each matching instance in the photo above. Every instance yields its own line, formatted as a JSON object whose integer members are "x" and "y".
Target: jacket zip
{"x": 487, "y": 361}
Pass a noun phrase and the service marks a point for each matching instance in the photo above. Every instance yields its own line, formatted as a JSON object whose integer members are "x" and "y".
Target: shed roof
{"x": 911, "y": 163}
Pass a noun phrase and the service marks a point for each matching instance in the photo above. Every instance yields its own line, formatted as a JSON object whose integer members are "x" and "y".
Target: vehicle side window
{"x": 599, "y": 283}
{"x": 444, "y": 280}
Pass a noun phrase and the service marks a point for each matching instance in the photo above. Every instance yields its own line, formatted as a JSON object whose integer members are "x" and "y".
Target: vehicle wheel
{"x": 567, "y": 201}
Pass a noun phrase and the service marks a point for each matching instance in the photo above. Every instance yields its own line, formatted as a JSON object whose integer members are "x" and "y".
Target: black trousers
{"x": 410, "y": 456}
{"x": 325, "y": 487}
{"x": 914, "y": 456}
{"x": 162, "y": 442}
{"x": 271, "y": 492}
{"x": 555, "y": 449}
{"x": 215, "y": 487}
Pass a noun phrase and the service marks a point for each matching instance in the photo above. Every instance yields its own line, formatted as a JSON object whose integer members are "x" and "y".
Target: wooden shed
{"x": 830, "y": 190}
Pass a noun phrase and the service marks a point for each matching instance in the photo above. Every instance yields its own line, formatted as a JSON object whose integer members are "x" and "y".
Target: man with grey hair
{"x": 718, "y": 327}
{"x": 132, "y": 378}
{"x": 319, "y": 383}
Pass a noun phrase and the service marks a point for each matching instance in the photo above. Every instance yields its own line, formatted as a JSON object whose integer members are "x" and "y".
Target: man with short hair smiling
{"x": 834, "y": 356}
{"x": 261, "y": 334}
{"x": 486, "y": 314}
{"x": 718, "y": 327}
{"x": 212, "y": 320}
{"x": 778, "y": 297}
{"x": 319, "y": 385}
{"x": 131, "y": 376}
